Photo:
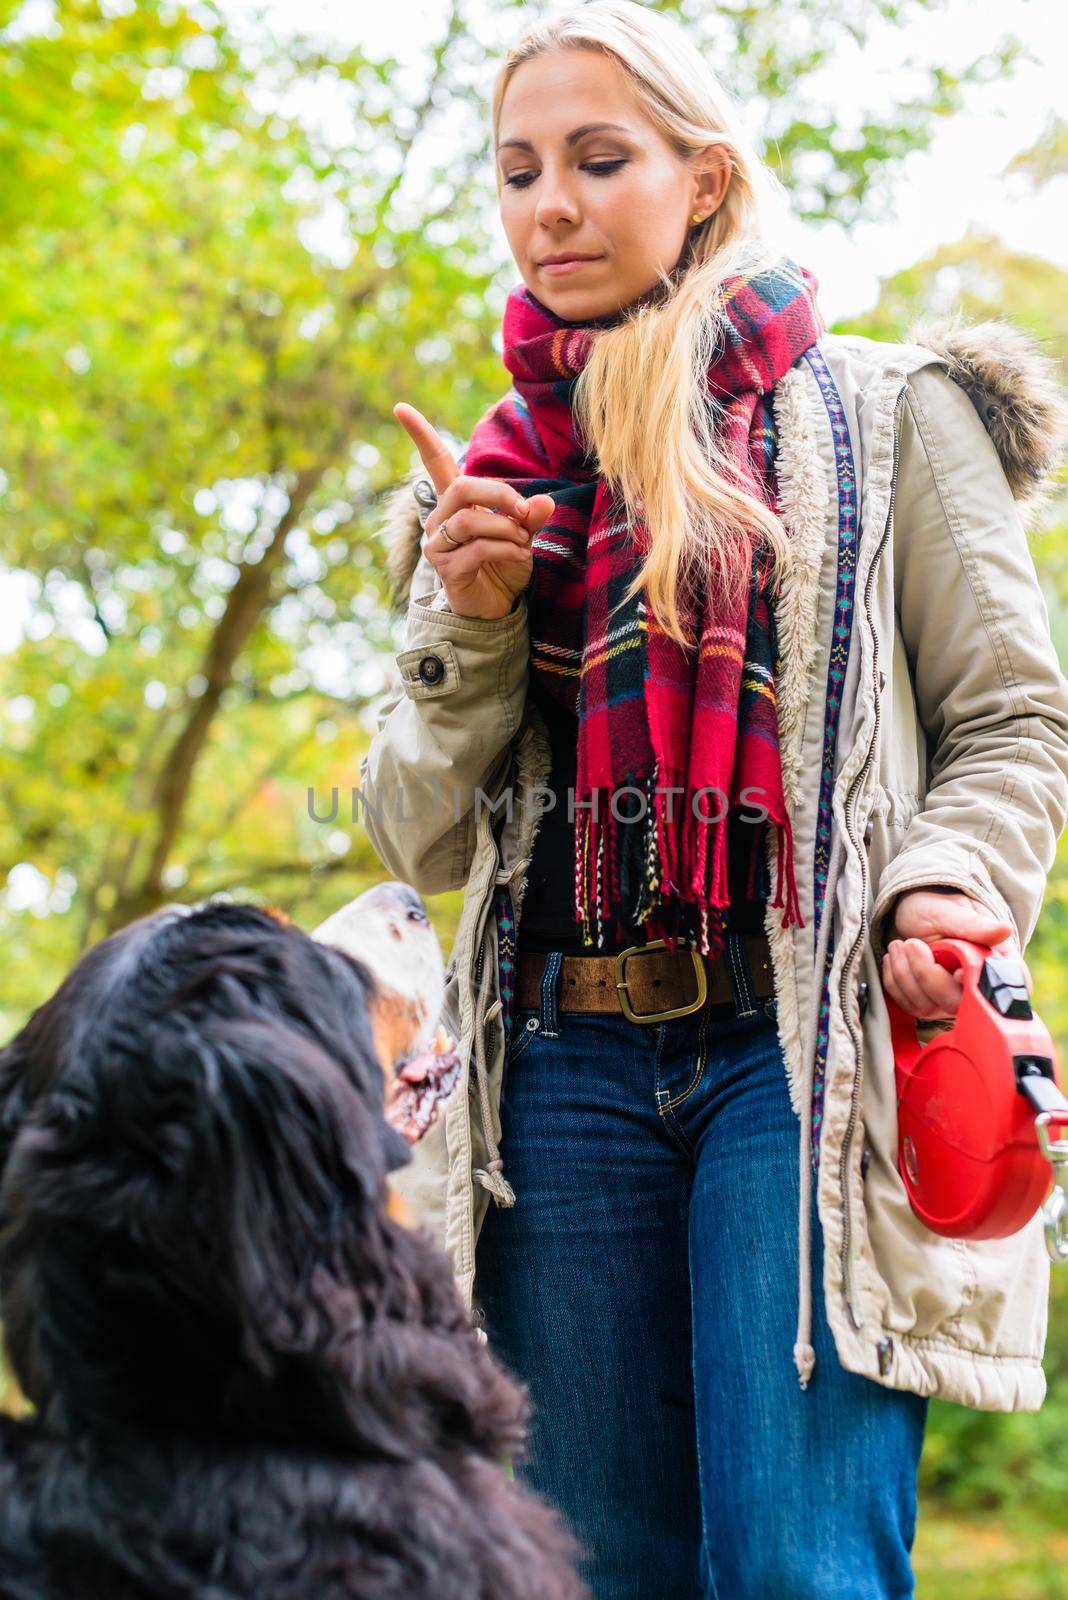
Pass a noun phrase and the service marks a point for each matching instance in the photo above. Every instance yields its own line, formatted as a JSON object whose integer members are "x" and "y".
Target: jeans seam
{"x": 702, "y": 1059}
{"x": 705, "y": 1558}
{"x": 664, "y": 1107}
{"x": 671, "y": 1123}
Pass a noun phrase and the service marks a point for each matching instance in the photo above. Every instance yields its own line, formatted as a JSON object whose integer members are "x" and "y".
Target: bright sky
{"x": 939, "y": 194}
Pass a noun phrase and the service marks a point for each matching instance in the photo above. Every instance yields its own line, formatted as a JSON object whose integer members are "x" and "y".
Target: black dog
{"x": 249, "y": 1379}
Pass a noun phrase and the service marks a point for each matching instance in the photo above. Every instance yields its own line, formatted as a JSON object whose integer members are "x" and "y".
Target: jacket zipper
{"x": 486, "y": 914}
{"x": 478, "y": 962}
{"x": 522, "y": 864}
{"x": 845, "y": 976}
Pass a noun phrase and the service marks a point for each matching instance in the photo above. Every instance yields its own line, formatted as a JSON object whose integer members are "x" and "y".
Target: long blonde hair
{"x": 641, "y": 402}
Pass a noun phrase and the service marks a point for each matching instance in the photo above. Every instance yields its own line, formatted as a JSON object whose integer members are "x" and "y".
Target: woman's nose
{"x": 554, "y": 204}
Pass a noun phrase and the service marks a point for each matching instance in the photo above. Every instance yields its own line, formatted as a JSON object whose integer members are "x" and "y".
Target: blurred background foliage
{"x": 218, "y": 274}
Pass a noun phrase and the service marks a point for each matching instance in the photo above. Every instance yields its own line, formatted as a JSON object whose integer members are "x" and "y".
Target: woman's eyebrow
{"x": 569, "y": 138}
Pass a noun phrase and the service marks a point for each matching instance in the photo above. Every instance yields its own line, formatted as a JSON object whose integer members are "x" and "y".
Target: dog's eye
{"x": 417, "y": 916}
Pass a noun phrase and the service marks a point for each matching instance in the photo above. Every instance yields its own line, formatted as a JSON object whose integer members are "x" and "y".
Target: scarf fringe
{"x": 637, "y": 851}
{"x": 785, "y": 874}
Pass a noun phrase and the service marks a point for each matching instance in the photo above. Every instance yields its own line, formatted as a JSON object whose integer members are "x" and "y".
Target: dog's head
{"x": 192, "y": 1163}
{"x": 389, "y": 933}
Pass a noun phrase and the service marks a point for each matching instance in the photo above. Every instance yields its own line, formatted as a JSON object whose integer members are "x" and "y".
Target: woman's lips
{"x": 556, "y": 268}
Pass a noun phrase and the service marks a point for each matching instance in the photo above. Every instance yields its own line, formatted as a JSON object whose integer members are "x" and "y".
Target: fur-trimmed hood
{"x": 1013, "y": 385}
{"x": 1018, "y": 393}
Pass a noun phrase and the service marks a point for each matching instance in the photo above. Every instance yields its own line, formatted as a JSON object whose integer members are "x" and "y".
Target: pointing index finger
{"x": 437, "y": 458}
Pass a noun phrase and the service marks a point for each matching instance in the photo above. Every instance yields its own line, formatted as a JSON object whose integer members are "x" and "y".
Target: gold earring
{"x": 699, "y": 216}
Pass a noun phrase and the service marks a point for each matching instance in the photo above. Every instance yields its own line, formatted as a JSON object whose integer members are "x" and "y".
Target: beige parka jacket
{"x": 950, "y": 768}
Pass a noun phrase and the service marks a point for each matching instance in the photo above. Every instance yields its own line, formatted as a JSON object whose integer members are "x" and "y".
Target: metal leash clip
{"x": 1036, "y": 1082}
{"x": 1055, "y": 1209}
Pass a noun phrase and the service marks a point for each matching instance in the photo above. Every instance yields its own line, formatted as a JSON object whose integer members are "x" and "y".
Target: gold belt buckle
{"x": 676, "y": 1011}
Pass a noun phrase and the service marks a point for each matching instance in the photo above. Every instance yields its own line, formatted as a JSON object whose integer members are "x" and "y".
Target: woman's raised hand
{"x": 490, "y": 561}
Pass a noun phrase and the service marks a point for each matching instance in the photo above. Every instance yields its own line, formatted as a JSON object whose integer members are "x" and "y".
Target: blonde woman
{"x": 727, "y": 687}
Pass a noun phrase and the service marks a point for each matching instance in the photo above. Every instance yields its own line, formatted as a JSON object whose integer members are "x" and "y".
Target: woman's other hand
{"x": 492, "y": 525}
{"x": 911, "y": 975}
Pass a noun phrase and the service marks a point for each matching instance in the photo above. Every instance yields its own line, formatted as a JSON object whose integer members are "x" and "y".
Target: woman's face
{"x": 619, "y": 195}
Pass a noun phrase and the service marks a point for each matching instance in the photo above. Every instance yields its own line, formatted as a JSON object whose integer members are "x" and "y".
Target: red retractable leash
{"x": 975, "y": 1158}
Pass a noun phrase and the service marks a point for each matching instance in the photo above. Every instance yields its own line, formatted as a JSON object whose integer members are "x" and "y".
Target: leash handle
{"x": 976, "y": 1162}
{"x": 961, "y": 955}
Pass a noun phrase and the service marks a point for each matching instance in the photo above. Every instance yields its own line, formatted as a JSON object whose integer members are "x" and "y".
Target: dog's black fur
{"x": 249, "y": 1381}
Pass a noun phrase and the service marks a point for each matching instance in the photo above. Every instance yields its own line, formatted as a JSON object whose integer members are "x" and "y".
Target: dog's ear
{"x": 275, "y": 1167}
{"x": 183, "y": 1241}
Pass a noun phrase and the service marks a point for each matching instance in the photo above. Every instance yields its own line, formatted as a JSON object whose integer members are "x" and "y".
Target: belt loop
{"x": 553, "y": 962}
{"x": 741, "y": 978}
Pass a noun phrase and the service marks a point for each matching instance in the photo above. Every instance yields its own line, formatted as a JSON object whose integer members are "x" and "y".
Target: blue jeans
{"x": 644, "y": 1286}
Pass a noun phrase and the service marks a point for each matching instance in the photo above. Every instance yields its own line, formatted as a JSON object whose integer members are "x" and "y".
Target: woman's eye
{"x": 523, "y": 180}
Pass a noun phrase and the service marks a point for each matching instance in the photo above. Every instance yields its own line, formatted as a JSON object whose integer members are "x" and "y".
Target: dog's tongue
{"x": 419, "y": 1068}
{"x": 421, "y": 1087}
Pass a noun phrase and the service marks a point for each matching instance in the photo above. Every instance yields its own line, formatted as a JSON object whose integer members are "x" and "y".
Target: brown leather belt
{"x": 647, "y": 983}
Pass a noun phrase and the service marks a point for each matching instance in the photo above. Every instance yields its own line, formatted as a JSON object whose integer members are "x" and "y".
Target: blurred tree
{"x": 200, "y": 424}
{"x": 222, "y": 262}
{"x": 979, "y": 277}
{"x": 1047, "y": 158}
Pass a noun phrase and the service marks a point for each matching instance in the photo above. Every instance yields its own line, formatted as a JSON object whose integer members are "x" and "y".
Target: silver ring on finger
{"x": 443, "y": 530}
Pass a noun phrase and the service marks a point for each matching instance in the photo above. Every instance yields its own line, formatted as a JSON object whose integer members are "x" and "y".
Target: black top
{"x": 547, "y": 918}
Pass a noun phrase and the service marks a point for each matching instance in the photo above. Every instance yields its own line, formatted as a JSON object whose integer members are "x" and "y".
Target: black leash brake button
{"x": 1003, "y": 983}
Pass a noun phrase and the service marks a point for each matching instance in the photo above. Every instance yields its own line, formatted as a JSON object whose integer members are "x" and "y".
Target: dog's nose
{"x": 402, "y": 897}
{"x": 409, "y": 897}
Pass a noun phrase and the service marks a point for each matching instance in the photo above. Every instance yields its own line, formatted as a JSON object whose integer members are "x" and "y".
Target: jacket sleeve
{"x": 443, "y": 734}
{"x": 988, "y": 685}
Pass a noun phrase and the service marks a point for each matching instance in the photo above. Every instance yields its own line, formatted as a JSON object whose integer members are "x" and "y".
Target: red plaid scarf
{"x": 654, "y": 718}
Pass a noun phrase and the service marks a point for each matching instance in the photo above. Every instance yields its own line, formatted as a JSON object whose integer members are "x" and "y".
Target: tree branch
{"x": 454, "y": 28}
{"x": 277, "y": 761}
{"x": 244, "y": 607}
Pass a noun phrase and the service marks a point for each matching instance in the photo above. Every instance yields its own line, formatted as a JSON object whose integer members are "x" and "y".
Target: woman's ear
{"x": 712, "y": 168}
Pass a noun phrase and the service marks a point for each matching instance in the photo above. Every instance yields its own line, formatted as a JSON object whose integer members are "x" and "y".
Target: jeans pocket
{"x": 525, "y": 1024}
